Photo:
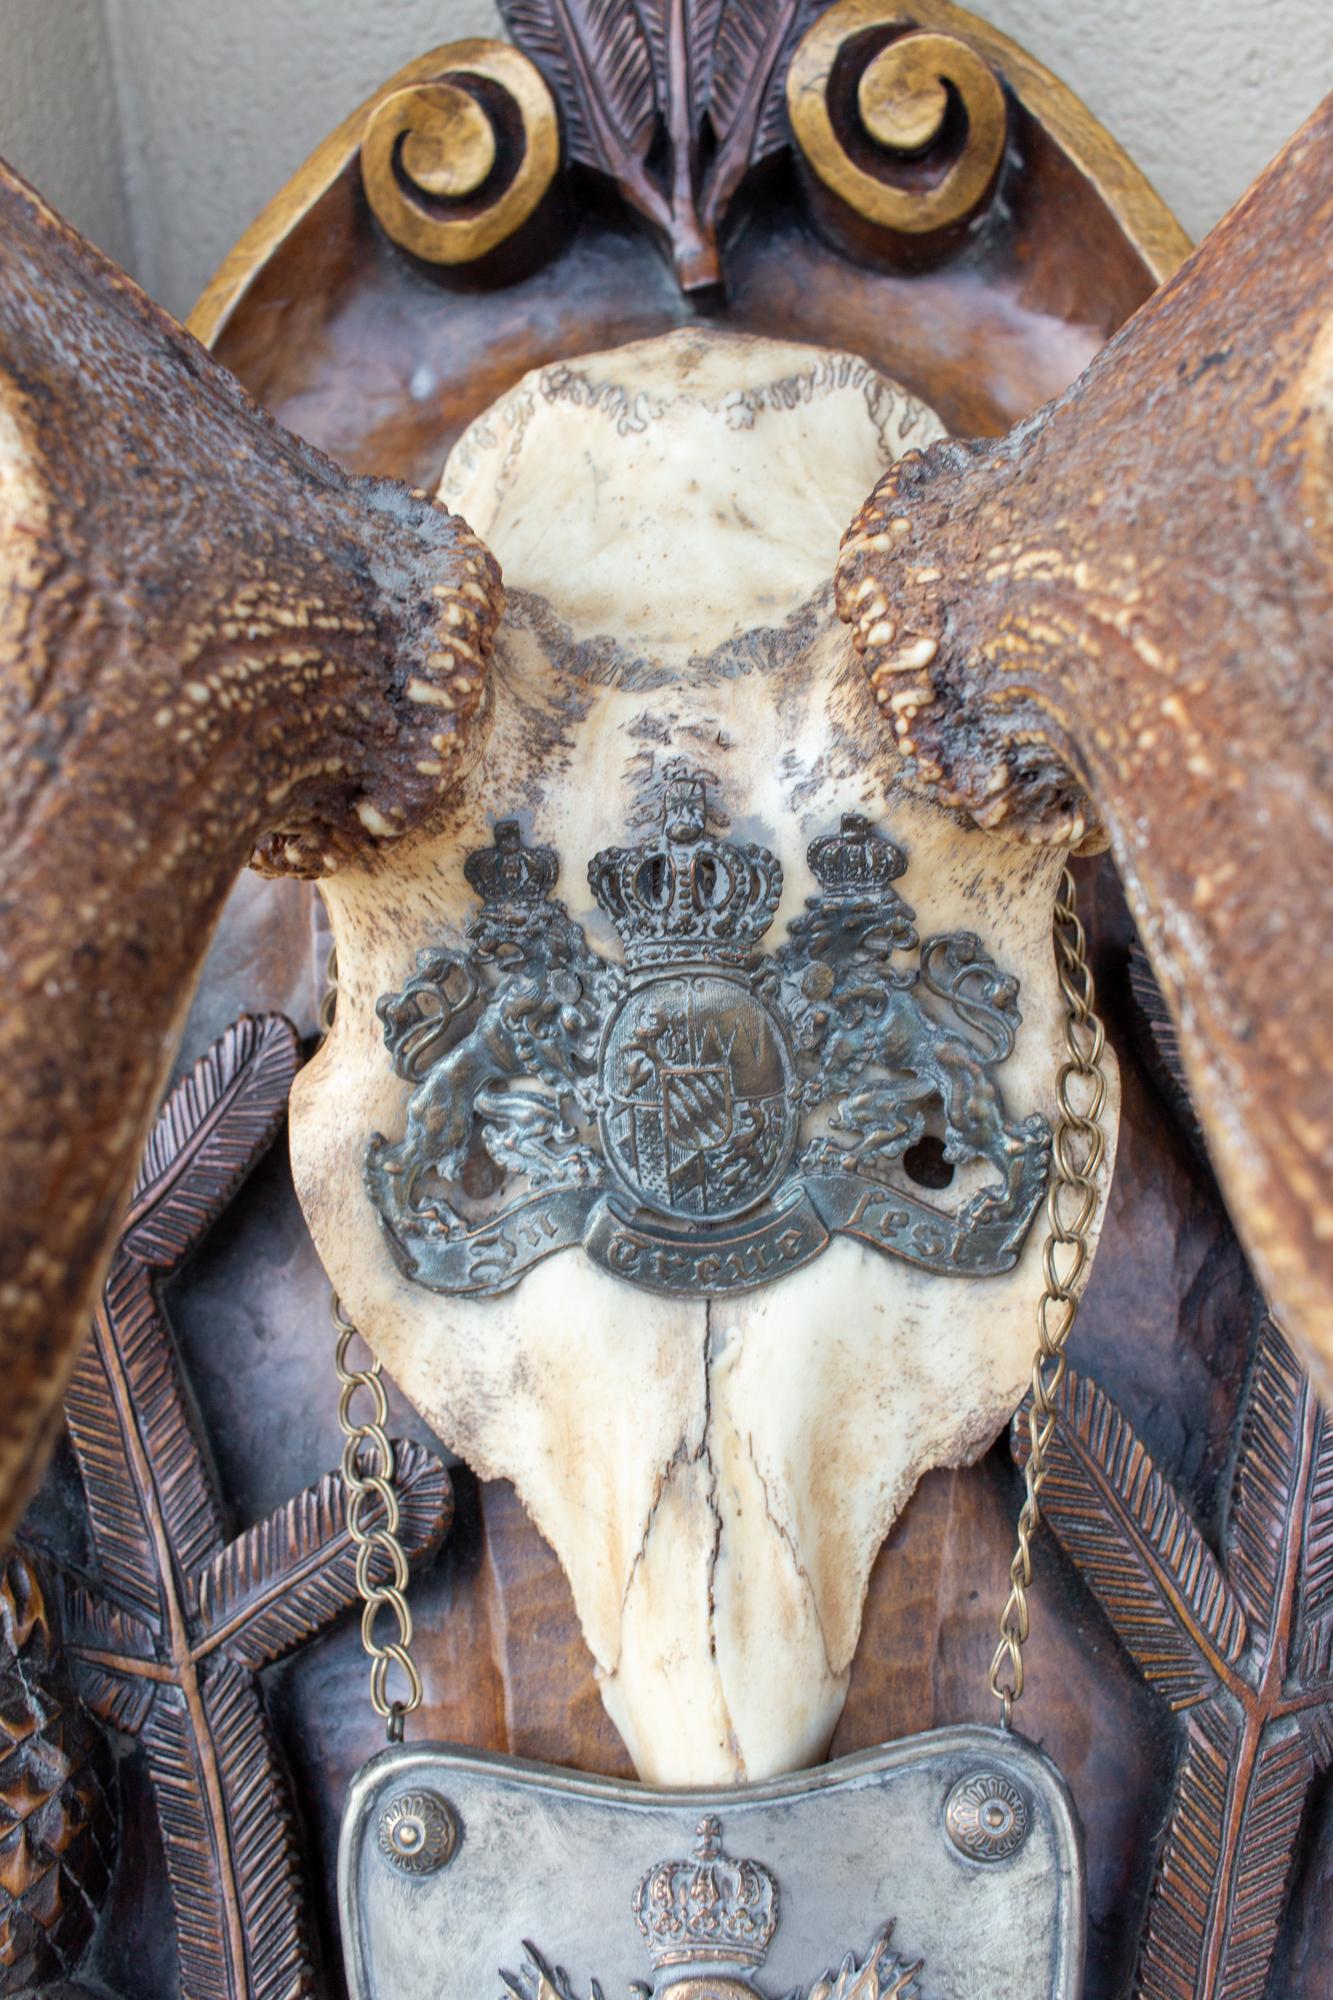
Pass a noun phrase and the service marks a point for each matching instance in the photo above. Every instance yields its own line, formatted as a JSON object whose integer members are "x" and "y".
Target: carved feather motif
{"x": 271, "y": 1589}
{"x": 213, "y": 1127}
{"x": 596, "y": 58}
{"x": 1241, "y": 1646}
{"x": 1173, "y": 1608}
{"x": 747, "y": 102}
{"x": 707, "y": 76}
{"x": 167, "y": 1644}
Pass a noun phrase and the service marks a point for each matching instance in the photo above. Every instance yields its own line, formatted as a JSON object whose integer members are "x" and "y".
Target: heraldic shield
{"x": 700, "y": 1116}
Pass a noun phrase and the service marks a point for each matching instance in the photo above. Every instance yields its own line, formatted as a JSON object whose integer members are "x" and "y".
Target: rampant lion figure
{"x": 873, "y": 1048}
{"x": 541, "y": 1021}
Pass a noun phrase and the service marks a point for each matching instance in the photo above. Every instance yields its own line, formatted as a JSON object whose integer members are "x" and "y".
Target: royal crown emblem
{"x": 701, "y": 1115}
{"x": 708, "y": 1909}
{"x": 708, "y": 1922}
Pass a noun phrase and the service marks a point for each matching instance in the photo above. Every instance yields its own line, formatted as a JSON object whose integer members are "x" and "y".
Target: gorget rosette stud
{"x": 702, "y": 1116}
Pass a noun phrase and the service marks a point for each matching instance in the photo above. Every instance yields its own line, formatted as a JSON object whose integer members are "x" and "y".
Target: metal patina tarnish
{"x": 848, "y": 1882}
{"x": 653, "y": 1110}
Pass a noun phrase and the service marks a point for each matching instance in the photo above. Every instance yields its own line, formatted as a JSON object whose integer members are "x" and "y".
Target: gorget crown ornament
{"x": 685, "y": 898}
{"x": 708, "y": 1909}
{"x": 702, "y": 1116}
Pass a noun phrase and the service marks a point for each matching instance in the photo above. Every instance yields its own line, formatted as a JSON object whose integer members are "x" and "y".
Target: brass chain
{"x": 1077, "y": 1153}
{"x": 368, "y": 1467}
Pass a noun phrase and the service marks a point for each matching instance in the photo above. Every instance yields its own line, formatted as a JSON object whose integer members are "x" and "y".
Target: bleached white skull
{"x": 652, "y": 1217}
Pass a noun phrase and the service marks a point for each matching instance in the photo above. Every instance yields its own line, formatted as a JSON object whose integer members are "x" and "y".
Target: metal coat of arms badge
{"x": 702, "y": 1117}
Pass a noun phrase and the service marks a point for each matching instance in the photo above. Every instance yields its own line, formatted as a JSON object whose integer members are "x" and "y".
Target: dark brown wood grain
{"x": 985, "y": 340}
{"x": 1119, "y": 618}
{"x": 211, "y": 640}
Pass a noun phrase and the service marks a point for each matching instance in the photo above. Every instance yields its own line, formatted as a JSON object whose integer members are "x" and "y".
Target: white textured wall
{"x": 217, "y": 101}
{"x": 1200, "y": 93}
{"x": 59, "y": 115}
{"x": 223, "y": 99}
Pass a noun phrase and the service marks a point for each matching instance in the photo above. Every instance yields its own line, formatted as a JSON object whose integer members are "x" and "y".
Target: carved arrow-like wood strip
{"x": 1218, "y": 1641}
{"x": 166, "y": 1642}
{"x": 1129, "y": 1533}
{"x": 275, "y": 1586}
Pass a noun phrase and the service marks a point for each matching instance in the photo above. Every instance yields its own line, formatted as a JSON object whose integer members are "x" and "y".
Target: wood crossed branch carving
{"x": 167, "y": 1643}
{"x": 1242, "y": 1648}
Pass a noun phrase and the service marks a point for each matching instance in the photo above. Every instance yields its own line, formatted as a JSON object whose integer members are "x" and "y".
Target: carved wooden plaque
{"x": 902, "y": 184}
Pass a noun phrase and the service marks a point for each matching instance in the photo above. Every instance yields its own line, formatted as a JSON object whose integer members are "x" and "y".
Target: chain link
{"x": 373, "y": 1516}
{"x": 1071, "y": 1202}
{"x": 373, "y": 1521}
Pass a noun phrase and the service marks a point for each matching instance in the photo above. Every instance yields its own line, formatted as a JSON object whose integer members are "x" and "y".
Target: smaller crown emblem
{"x": 709, "y": 1908}
{"x": 856, "y": 861}
{"x": 512, "y": 879}
{"x": 685, "y": 896}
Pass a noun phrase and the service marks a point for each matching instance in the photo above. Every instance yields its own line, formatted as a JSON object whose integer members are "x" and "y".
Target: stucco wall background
{"x": 60, "y": 121}
{"x": 162, "y": 126}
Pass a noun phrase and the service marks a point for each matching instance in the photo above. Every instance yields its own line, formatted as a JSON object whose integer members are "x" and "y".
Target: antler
{"x": 212, "y": 642}
{"x": 1115, "y": 624}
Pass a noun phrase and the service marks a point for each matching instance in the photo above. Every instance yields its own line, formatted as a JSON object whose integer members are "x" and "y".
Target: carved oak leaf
{"x": 212, "y": 642}
{"x": 167, "y": 1643}
{"x": 1243, "y": 1649}
{"x": 1114, "y": 622}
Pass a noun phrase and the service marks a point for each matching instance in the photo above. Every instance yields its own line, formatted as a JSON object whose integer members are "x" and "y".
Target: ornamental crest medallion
{"x": 703, "y": 1116}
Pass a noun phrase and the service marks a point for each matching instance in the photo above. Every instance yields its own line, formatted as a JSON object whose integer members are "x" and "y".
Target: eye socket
{"x": 925, "y": 1163}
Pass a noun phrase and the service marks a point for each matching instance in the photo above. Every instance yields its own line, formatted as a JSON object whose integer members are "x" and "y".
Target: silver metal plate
{"x": 465, "y": 1876}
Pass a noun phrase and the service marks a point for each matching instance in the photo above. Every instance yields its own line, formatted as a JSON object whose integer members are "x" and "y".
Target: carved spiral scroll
{"x": 905, "y": 126}
{"x": 455, "y": 166}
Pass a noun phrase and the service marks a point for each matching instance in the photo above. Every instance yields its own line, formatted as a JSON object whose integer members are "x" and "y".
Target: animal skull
{"x": 715, "y": 1473}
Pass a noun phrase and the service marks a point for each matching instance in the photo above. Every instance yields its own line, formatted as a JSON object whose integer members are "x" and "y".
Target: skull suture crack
{"x": 703, "y": 1117}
